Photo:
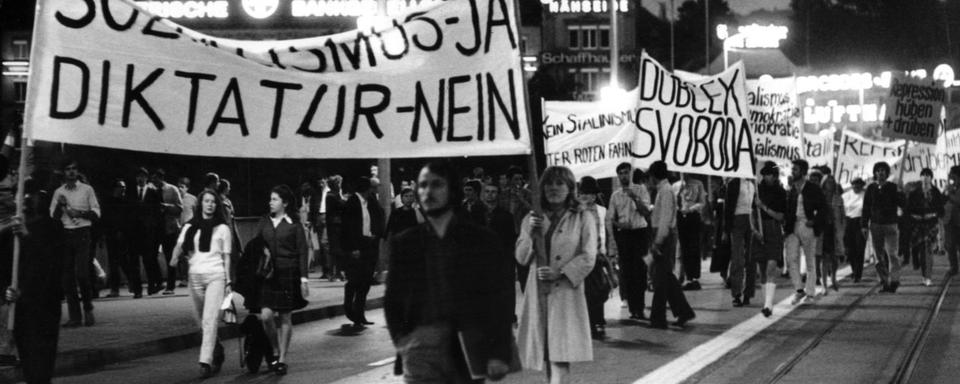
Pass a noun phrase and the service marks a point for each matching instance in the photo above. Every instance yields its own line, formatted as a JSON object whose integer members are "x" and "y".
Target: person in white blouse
{"x": 206, "y": 242}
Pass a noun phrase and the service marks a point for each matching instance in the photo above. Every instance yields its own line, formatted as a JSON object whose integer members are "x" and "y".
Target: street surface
{"x": 854, "y": 336}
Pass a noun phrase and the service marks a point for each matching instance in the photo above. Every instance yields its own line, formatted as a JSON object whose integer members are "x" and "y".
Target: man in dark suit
{"x": 363, "y": 227}
{"x": 450, "y": 295}
{"x": 146, "y": 223}
{"x": 498, "y": 219}
{"x": 804, "y": 222}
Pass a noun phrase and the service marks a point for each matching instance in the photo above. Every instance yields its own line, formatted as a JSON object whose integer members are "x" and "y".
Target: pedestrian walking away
{"x": 667, "y": 289}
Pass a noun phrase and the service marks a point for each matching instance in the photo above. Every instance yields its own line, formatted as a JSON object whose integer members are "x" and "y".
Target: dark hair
{"x": 224, "y": 186}
{"x": 219, "y": 214}
{"x": 770, "y": 168}
{"x": 514, "y": 170}
{"x": 184, "y": 180}
{"x": 406, "y": 190}
{"x": 475, "y": 184}
{"x": 563, "y": 174}
{"x": 825, "y": 170}
{"x": 493, "y": 185}
{"x": 159, "y": 172}
{"x": 286, "y": 196}
{"x": 639, "y": 176}
{"x": 142, "y": 171}
{"x": 363, "y": 184}
{"x": 212, "y": 178}
{"x": 447, "y": 171}
{"x": 881, "y": 165}
{"x": 68, "y": 162}
{"x": 335, "y": 182}
{"x": 623, "y": 165}
{"x": 858, "y": 181}
{"x": 802, "y": 165}
{"x": 926, "y": 172}
{"x": 955, "y": 170}
{"x": 659, "y": 170}
{"x": 589, "y": 185}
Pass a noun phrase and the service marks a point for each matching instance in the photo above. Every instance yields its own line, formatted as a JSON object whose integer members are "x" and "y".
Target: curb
{"x": 92, "y": 359}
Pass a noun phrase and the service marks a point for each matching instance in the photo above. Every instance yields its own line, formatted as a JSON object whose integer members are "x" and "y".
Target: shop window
{"x": 589, "y": 36}
{"x": 20, "y": 91}
{"x": 21, "y": 49}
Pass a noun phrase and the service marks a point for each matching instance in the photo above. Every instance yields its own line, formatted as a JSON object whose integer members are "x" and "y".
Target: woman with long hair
{"x": 553, "y": 324}
{"x": 206, "y": 242}
{"x": 285, "y": 243}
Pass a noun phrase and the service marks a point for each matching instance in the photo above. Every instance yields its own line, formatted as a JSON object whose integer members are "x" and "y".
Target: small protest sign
{"x": 775, "y": 119}
{"x": 913, "y": 109}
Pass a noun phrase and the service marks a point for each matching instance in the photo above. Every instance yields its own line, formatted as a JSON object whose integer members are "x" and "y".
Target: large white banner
{"x": 775, "y": 119}
{"x": 590, "y": 138}
{"x": 695, "y": 127}
{"x": 857, "y": 155}
{"x": 444, "y": 80}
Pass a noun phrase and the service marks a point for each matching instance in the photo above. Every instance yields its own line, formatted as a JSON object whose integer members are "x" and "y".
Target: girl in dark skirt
{"x": 768, "y": 244}
{"x": 286, "y": 244}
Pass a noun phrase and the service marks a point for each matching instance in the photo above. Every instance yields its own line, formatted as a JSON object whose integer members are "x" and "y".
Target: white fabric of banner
{"x": 775, "y": 119}
{"x": 445, "y": 80}
{"x": 590, "y": 138}
{"x": 694, "y": 126}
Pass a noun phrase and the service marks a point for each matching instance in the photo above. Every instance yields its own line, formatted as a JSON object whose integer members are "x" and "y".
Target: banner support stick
{"x": 903, "y": 162}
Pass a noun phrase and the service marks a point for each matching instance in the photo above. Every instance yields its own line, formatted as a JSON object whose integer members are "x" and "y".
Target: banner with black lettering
{"x": 914, "y": 109}
{"x": 818, "y": 149}
{"x": 857, "y": 155}
{"x": 938, "y": 157}
{"x": 590, "y": 138}
{"x": 695, "y": 127}
{"x": 775, "y": 119}
{"x": 443, "y": 80}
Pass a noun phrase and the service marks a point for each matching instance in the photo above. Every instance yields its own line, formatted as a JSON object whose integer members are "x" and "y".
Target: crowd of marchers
{"x": 459, "y": 251}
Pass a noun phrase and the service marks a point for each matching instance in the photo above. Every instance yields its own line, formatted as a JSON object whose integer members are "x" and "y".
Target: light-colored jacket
{"x": 573, "y": 252}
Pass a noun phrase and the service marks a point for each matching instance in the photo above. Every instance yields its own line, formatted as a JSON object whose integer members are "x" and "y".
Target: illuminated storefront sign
{"x": 260, "y": 9}
{"x": 353, "y": 8}
{"x": 585, "y": 57}
{"x": 584, "y": 6}
{"x": 866, "y": 80}
{"x": 217, "y": 9}
{"x": 752, "y": 36}
{"x": 834, "y": 112}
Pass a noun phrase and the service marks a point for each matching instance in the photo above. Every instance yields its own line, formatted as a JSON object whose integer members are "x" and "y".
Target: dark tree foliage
{"x": 691, "y": 33}
{"x": 873, "y": 34}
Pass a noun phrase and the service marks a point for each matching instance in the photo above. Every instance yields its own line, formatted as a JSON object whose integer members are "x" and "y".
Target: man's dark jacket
{"x": 814, "y": 208}
{"x": 480, "y": 279}
{"x": 353, "y": 222}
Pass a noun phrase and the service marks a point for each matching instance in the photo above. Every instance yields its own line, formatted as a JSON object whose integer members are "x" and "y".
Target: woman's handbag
{"x": 603, "y": 278}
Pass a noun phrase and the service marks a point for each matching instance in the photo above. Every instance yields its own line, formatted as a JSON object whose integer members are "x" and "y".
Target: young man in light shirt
{"x": 853, "y": 237}
{"x": 76, "y": 205}
{"x": 631, "y": 232}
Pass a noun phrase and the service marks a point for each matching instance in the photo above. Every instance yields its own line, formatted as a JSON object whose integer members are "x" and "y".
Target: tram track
{"x": 908, "y": 363}
{"x": 905, "y": 370}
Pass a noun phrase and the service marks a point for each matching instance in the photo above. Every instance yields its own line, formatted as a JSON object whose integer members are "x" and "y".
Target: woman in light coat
{"x": 206, "y": 242}
{"x": 553, "y": 324}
